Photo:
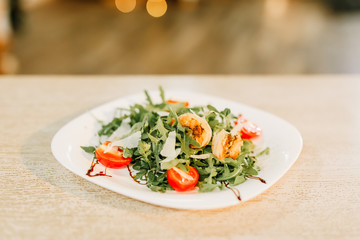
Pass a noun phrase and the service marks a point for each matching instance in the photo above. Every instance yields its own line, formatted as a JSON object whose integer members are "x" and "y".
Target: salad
{"x": 172, "y": 145}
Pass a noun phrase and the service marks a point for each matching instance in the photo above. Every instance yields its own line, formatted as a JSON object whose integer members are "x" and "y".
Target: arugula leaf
{"x": 183, "y": 167}
{"x": 153, "y": 139}
{"x": 212, "y": 108}
{"x": 211, "y": 170}
{"x": 162, "y": 94}
{"x": 140, "y": 164}
{"x": 109, "y": 128}
{"x": 177, "y": 107}
{"x": 238, "y": 180}
{"x": 157, "y": 188}
{"x": 266, "y": 151}
{"x": 192, "y": 141}
{"x": 206, "y": 187}
{"x": 199, "y": 163}
{"x": 198, "y": 110}
{"x": 88, "y": 149}
{"x": 247, "y": 146}
{"x": 251, "y": 172}
{"x": 228, "y": 175}
{"x": 148, "y": 98}
{"x": 144, "y": 149}
{"x": 162, "y": 130}
{"x": 173, "y": 163}
{"x": 127, "y": 152}
{"x": 141, "y": 175}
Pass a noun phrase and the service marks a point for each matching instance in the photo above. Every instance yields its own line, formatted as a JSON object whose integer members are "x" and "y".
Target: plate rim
{"x": 164, "y": 203}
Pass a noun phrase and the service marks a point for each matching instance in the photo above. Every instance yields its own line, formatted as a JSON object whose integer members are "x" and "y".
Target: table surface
{"x": 318, "y": 198}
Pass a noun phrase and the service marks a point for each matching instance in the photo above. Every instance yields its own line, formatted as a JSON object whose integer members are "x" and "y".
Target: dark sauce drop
{"x": 133, "y": 177}
{"x": 91, "y": 169}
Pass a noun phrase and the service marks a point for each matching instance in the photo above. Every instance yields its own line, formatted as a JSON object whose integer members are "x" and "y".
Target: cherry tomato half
{"x": 112, "y": 158}
{"x": 174, "y": 101}
{"x": 249, "y": 129}
{"x": 182, "y": 181}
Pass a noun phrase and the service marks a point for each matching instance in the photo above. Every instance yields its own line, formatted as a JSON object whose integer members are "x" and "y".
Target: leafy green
{"x": 148, "y": 98}
{"x": 161, "y": 129}
{"x": 109, "y": 128}
{"x": 162, "y": 94}
{"x": 212, "y": 108}
{"x": 144, "y": 150}
{"x": 238, "y": 180}
{"x": 206, "y": 187}
{"x": 88, "y": 149}
{"x": 149, "y": 165}
{"x": 229, "y": 174}
{"x": 128, "y": 153}
{"x": 266, "y": 151}
{"x": 173, "y": 163}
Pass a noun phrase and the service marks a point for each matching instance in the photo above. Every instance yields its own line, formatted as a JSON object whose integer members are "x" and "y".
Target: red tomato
{"x": 249, "y": 129}
{"x": 112, "y": 158}
{"x": 174, "y": 101}
{"x": 182, "y": 181}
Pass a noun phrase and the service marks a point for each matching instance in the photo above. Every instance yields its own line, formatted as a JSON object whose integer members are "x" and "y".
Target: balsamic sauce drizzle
{"x": 91, "y": 169}
{"x": 133, "y": 177}
{"x": 257, "y": 178}
{"x": 234, "y": 190}
{"x": 101, "y": 173}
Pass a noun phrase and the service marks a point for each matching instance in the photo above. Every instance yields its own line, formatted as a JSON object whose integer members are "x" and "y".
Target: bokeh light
{"x": 156, "y": 8}
{"x": 125, "y": 6}
{"x": 276, "y": 8}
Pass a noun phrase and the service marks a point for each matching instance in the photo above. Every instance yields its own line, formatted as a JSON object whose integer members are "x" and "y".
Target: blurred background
{"x": 179, "y": 36}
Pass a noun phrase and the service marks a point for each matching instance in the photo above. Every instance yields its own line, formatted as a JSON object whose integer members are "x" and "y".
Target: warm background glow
{"x": 125, "y": 6}
{"x": 156, "y": 8}
{"x": 181, "y": 37}
{"x": 276, "y": 8}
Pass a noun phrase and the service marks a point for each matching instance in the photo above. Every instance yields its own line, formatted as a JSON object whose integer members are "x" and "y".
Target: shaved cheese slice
{"x": 163, "y": 113}
{"x": 123, "y": 130}
{"x": 131, "y": 141}
{"x": 201, "y": 156}
{"x": 172, "y": 157}
{"x": 169, "y": 146}
{"x": 169, "y": 150}
{"x": 183, "y": 174}
{"x": 236, "y": 129}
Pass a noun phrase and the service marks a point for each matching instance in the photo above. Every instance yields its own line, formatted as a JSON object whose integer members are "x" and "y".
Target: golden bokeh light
{"x": 125, "y": 6}
{"x": 156, "y": 8}
{"x": 276, "y": 8}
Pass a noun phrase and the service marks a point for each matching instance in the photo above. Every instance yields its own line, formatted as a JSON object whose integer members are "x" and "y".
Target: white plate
{"x": 284, "y": 140}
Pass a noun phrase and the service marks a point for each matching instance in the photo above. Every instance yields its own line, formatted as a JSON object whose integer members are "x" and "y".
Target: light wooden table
{"x": 319, "y": 198}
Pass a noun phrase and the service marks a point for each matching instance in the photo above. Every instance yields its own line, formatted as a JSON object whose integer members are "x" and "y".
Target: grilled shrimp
{"x": 200, "y": 129}
{"x": 226, "y": 145}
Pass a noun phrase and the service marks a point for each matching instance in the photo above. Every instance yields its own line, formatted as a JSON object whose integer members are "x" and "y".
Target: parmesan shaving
{"x": 131, "y": 141}
{"x": 169, "y": 146}
{"x": 172, "y": 157}
{"x": 163, "y": 113}
{"x": 201, "y": 156}
{"x": 169, "y": 150}
{"x": 236, "y": 129}
{"x": 123, "y": 130}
